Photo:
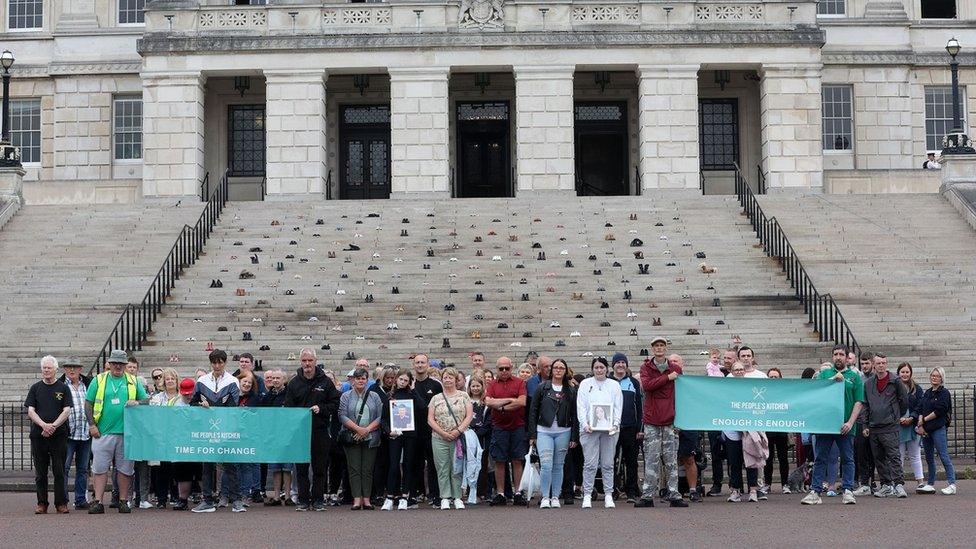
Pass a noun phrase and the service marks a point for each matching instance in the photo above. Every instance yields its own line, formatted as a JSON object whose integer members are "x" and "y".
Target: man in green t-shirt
{"x": 844, "y": 439}
{"x": 108, "y": 395}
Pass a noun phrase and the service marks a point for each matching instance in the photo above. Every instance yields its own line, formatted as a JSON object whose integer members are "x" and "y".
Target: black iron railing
{"x": 136, "y": 321}
{"x": 637, "y": 178}
{"x": 328, "y": 186}
{"x": 15, "y": 450}
{"x": 205, "y": 188}
{"x": 701, "y": 180}
{"x": 760, "y": 180}
{"x": 821, "y": 309}
{"x": 264, "y": 187}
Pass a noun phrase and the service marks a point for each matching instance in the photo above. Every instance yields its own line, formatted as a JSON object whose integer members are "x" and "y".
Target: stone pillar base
{"x": 77, "y": 21}
{"x": 12, "y": 184}
{"x": 958, "y": 169}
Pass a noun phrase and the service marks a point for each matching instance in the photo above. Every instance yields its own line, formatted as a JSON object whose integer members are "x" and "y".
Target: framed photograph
{"x": 601, "y": 417}
{"x": 401, "y": 415}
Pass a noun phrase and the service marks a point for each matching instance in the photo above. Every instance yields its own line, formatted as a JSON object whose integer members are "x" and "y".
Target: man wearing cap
{"x": 48, "y": 406}
{"x": 660, "y": 443}
{"x": 79, "y": 440}
{"x": 108, "y": 395}
{"x": 218, "y": 389}
{"x": 631, "y": 428}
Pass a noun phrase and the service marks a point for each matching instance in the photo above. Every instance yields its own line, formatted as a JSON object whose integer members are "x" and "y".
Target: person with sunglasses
{"x": 506, "y": 397}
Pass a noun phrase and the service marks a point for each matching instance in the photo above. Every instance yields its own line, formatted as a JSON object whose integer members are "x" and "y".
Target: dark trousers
{"x": 425, "y": 466}
{"x": 380, "y": 467}
{"x": 402, "y": 452}
{"x": 863, "y": 458}
{"x": 716, "y": 447}
{"x": 233, "y": 484}
{"x": 779, "y": 444}
{"x": 79, "y": 453}
{"x": 884, "y": 449}
{"x": 314, "y": 491}
{"x": 625, "y": 473}
{"x": 572, "y": 471}
{"x": 337, "y": 470}
{"x": 50, "y": 453}
{"x": 733, "y": 452}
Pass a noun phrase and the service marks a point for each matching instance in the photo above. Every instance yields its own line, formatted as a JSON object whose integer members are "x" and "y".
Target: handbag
{"x": 346, "y": 436}
{"x": 460, "y": 448}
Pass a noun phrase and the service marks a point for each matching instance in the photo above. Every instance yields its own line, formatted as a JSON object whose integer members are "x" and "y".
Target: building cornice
{"x": 167, "y": 44}
{"x": 903, "y": 57}
{"x": 76, "y": 68}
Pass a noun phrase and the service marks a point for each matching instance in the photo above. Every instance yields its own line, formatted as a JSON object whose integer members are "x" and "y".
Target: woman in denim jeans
{"x": 553, "y": 428}
{"x": 932, "y": 423}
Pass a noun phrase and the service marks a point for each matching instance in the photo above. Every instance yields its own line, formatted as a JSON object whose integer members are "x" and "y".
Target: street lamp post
{"x": 11, "y": 156}
{"x": 957, "y": 142}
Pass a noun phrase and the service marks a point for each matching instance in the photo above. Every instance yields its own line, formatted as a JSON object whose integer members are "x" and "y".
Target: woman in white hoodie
{"x": 598, "y": 446}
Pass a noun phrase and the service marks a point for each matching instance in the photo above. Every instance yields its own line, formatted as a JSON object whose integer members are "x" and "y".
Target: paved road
{"x": 919, "y": 521}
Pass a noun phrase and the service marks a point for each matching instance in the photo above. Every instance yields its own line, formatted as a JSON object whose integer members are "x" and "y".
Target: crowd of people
{"x": 491, "y": 436}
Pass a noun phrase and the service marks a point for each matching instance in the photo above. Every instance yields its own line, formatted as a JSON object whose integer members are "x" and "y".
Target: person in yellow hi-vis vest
{"x": 108, "y": 395}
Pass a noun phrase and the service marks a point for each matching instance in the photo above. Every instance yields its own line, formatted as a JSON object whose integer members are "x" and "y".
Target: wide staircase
{"x": 440, "y": 256}
{"x": 902, "y": 269}
{"x": 67, "y": 271}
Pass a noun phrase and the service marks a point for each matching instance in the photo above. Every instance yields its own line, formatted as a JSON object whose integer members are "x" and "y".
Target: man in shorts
{"x": 688, "y": 446}
{"x": 506, "y": 397}
{"x": 108, "y": 395}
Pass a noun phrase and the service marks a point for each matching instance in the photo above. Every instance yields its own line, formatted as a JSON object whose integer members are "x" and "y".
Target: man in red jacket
{"x": 660, "y": 442}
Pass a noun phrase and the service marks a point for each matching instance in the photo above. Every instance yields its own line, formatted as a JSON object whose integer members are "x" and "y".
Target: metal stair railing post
{"x": 135, "y": 322}
{"x": 821, "y": 309}
{"x": 637, "y": 178}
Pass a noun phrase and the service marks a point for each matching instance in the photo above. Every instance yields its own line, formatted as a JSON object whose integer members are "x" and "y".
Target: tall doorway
{"x": 364, "y": 149}
{"x": 601, "y": 148}
{"x": 483, "y": 152}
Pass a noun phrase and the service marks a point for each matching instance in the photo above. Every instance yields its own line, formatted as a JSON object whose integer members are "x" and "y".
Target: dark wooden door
{"x": 601, "y": 148}
{"x": 483, "y": 159}
{"x": 364, "y": 149}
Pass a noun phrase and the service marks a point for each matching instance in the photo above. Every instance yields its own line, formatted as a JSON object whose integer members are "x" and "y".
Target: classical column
{"x": 419, "y": 121}
{"x": 295, "y": 132}
{"x": 172, "y": 119}
{"x": 77, "y": 15}
{"x": 792, "y": 150}
{"x": 544, "y": 129}
{"x": 668, "y": 117}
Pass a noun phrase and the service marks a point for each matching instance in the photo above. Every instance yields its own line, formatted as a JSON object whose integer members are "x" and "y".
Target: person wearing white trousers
{"x": 910, "y": 445}
{"x": 594, "y": 396}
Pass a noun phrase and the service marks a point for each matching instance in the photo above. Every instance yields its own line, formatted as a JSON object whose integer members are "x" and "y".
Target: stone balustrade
{"x": 412, "y": 16}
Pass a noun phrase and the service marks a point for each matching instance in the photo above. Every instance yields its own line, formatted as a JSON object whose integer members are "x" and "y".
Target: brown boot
{"x": 62, "y": 509}
{"x": 41, "y": 509}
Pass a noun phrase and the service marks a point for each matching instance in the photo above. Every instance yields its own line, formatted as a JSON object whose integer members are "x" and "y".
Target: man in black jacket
{"x": 885, "y": 402}
{"x": 631, "y": 429}
{"x": 311, "y": 389}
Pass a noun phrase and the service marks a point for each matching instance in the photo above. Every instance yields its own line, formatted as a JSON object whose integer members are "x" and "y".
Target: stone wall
{"x": 173, "y": 133}
{"x": 419, "y": 131}
{"x": 668, "y": 103}
{"x": 544, "y": 128}
{"x": 295, "y": 126}
{"x": 792, "y": 148}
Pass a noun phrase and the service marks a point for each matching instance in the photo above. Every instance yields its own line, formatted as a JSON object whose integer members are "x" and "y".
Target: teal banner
{"x": 748, "y": 404}
{"x": 234, "y": 435}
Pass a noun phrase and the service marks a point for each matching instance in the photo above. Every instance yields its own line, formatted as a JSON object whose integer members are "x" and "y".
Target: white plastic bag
{"x": 531, "y": 479}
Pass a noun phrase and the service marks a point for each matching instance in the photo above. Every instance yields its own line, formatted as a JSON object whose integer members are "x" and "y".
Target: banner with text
{"x": 234, "y": 435}
{"x": 749, "y": 404}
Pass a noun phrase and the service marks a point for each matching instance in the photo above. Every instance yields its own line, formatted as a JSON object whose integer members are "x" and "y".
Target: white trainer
{"x": 458, "y": 503}
{"x": 387, "y": 505}
{"x": 587, "y": 502}
{"x": 544, "y": 504}
{"x": 949, "y": 490}
{"x": 402, "y": 505}
{"x": 445, "y": 504}
{"x": 608, "y": 502}
{"x": 554, "y": 503}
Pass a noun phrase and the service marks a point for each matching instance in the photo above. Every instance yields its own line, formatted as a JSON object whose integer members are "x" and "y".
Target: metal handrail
{"x": 637, "y": 178}
{"x": 701, "y": 180}
{"x": 135, "y": 323}
{"x": 760, "y": 179}
{"x": 328, "y": 185}
{"x": 264, "y": 187}
{"x": 205, "y": 187}
{"x": 821, "y": 309}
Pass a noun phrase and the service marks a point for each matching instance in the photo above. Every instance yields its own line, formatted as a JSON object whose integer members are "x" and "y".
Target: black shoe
{"x": 644, "y": 502}
{"x": 519, "y": 500}
{"x": 679, "y": 503}
{"x": 160, "y": 505}
{"x": 96, "y": 509}
{"x": 124, "y": 507}
{"x": 301, "y": 507}
{"x": 82, "y": 506}
{"x": 498, "y": 500}
{"x": 181, "y": 505}
{"x": 715, "y": 491}
{"x": 569, "y": 502}
{"x": 695, "y": 497}
{"x": 319, "y": 506}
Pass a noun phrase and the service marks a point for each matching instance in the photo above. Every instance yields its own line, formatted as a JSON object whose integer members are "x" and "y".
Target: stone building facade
{"x": 114, "y": 100}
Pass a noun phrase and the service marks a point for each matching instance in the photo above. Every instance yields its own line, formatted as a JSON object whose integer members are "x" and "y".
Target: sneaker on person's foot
{"x": 714, "y": 492}
{"x": 301, "y": 507}
{"x": 387, "y": 505}
{"x": 319, "y": 506}
{"x": 96, "y": 508}
{"x": 587, "y": 502}
{"x": 544, "y": 504}
{"x": 146, "y": 505}
{"x": 554, "y": 503}
{"x": 695, "y": 496}
{"x": 124, "y": 507}
{"x": 204, "y": 507}
{"x": 849, "y": 498}
{"x": 679, "y": 502}
{"x": 949, "y": 490}
{"x": 498, "y": 500}
{"x": 445, "y": 504}
{"x": 763, "y": 494}
{"x": 458, "y": 503}
{"x": 222, "y": 502}
{"x": 735, "y": 497}
{"x": 412, "y": 504}
{"x": 402, "y": 504}
{"x": 786, "y": 490}
{"x": 925, "y": 489}
{"x": 238, "y": 506}
{"x": 644, "y": 502}
{"x": 863, "y": 490}
{"x": 813, "y": 498}
{"x": 900, "y": 491}
{"x": 608, "y": 502}
{"x": 886, "y": 491}
{"x": 520, "y": 500}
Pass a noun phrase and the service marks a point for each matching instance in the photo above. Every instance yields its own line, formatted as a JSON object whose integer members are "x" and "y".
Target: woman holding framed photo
{"x": 399, "y": 420}
{"x": 553, "y": 429}
{"x": 449, "y": 415}
{"x": 599, "y": 405}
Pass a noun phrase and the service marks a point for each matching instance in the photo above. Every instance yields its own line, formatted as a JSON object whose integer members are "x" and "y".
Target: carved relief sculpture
{"x": 481, "y": 14}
